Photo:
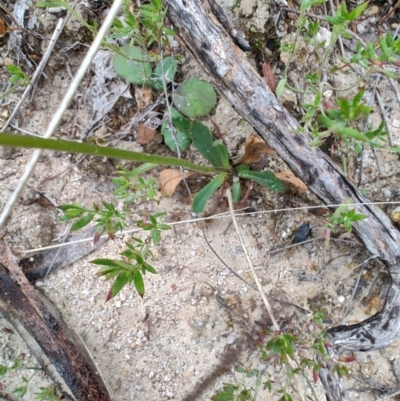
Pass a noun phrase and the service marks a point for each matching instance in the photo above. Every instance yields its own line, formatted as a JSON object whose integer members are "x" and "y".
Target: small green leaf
{"x": 119, "y": 283}
{"x": 279, "y": 89}
{"x": 3, "y": 370}
{"x": 104, "y": 262}
{"x": 165, "y": 71}
{"x": 83, "y": 222}
{"x": 236, "y": 191}
{"x": 138, "y": 281}
{"x": 136, "y": 69}
{"x": 150, "y": 268}
{"x": 201, "y": 198}
{"x": 223, "y": 152}
{"x": 168, "y": 31}
{"x": 335, "y": 20}
{"x": 195, "y": 98}
{"x": 226, "y": 394}
{"x": 266, "y": 178}
{"x": 203, "y": 141}
{"x": 357, "y": 11}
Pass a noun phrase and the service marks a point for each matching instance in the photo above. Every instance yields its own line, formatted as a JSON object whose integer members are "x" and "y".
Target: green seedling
{"x": 47, "y": 394}
{"x": 17, "y": 77}
{"x": 289, "y": 352}
{"x": 20, "y": 391}
{"x": 344, "y": 218}
{"x": 154, "y": 227}
{"x": 340, "y": 119}
{"x": 127, "y": 270}
{"x": 131, "y": 187}
{"x": 144, "y": 25}
{"x": 109, "y": 219}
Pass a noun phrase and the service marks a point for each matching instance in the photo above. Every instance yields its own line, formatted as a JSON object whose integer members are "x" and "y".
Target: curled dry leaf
{"x": 269, "y": 76}
{"x": 170, "y": 179}
{"x": 255, "y": 150}
{"x": 288, "y": 177}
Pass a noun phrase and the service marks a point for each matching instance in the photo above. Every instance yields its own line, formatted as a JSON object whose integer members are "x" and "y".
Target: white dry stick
{"x": 259, "y": 286}
{"x": 384, "y": 116}
{"x": 38, "y": 71}
{"x": 61, "y": 109}
{"x": 250, "y": 263}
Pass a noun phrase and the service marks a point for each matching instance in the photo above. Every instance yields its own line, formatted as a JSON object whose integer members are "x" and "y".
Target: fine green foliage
{"x": 133, "y": 65}
{"x": 133, "y": 188}
{"x": 46, "y": 394}
{"x": 128, "y": 270}
{"x": 295, "y": 355}
{"x": 20, "y": 391}
{"x": 195, "y": 98}
{"x": 144, "y": 25}
{"x": 109, "y": 219}
{"x": 17, "y": 75}
{"x": 154, "y": 227}
{"x": 343, "y": 217}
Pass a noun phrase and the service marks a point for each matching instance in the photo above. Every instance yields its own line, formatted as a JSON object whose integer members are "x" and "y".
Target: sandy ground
{"x": 197, "y": 322}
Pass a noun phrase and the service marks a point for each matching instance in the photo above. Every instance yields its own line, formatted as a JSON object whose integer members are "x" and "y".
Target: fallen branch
{"x": 20, "y": 304}
{"x": 209, "y": 44}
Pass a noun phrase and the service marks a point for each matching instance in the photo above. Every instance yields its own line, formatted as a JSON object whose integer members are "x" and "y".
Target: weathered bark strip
{"x": 212, "y": 47}
{"x": 19, "y": 301}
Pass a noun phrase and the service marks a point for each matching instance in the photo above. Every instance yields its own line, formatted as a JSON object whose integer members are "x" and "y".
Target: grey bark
{"x": 211, "y": 45}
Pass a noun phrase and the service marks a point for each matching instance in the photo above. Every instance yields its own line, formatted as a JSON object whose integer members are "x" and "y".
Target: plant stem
{"x": 26, "y": 141}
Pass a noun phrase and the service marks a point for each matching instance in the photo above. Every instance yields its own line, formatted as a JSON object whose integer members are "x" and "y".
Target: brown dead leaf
{"x": 319, "y": 211}
{"x": 2, "y": 28}
{"x": 255, "y": 150}
{"x": 288, "y": 177}
{"x": 170, "y": 179}
{"x": 145, "y": 134}
{"x": 269, "y": 76}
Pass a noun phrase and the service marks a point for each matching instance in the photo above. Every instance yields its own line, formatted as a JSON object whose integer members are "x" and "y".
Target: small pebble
{"x": 8, "y": 61}
{"x": 360, "y": 29}
{"x": 230, "y": 339}
{"x": 370, "y": 11}
{"x": 341, "y": 299}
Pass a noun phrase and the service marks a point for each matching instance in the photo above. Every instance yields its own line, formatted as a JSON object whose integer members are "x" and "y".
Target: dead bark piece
{"x": 19, "y": 301}
{"x": 213, "y": 48}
